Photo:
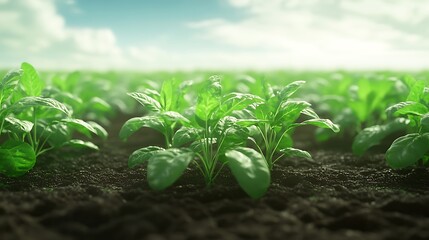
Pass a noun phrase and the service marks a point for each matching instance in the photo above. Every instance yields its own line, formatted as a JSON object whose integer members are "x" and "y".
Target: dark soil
{"x": 95, "y": 196}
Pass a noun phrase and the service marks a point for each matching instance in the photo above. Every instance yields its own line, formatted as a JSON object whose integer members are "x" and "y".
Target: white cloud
{"x": 34, "y": 31}
{"x": 327, "y": 33}
{"x": 270, "y": 34}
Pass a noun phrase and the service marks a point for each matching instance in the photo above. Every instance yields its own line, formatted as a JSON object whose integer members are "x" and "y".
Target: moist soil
{"x": 94, "y": 195}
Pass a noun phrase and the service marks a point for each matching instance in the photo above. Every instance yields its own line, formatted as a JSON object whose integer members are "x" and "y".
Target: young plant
{"x": 210, "y": 139}
{"x": 34, "y": 124}
{"x": 82, "y": 94}
{"x": 275, "y": 118}
{"x": 357, "y": 102}
{"x": 411, "y": 115}
{"x": 163, "y": 111}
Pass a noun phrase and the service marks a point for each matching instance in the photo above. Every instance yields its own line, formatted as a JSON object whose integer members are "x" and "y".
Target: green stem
{"x": 35, "y": 129}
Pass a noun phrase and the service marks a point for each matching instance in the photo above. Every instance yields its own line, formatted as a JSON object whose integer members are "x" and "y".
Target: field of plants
{"x": 214, "y": 155}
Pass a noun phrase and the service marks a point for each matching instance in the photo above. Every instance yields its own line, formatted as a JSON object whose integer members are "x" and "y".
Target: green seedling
{"x": 275, "y": 118}
{"x": 34, "y": 124}
{"x": 163, "y": 111}
{"x": 411, "y": 115}
{"x": 357, "y": 103}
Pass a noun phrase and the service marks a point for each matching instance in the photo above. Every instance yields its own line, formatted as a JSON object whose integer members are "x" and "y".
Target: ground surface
{"x": 95, "y": 196}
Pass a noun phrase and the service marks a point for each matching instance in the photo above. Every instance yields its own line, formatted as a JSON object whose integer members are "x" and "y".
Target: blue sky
{"x": 215, "y": 34}
{"x": 147, "y": 22}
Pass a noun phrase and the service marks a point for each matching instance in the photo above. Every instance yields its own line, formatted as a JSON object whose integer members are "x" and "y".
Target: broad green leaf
{"x": 208, "y": 99}
{"x": 409, "y": 81}
{"x": 134, "y": 124}
{"x": 322, "y": 123}
{"x": 185, "y": 135}
{"x": 290, "y": 89}
{"x": 28, "y": 102}
{"x": 30, "y": 80}
{"x": 8, "y": 84}
{"x": 407, "y": 108}
{"x": 142, "y": 155}
{"x": 16, "y": 125}
{"x": 250, "y": 169}
{"x": 99, "y": 104}
{"x": 310, "y": 113}
{"x": 175, "y": 117}
{"x": 169, "y": 94}
{"x": 77, "y": 143}
{"x": 372, "y": 136}
{"x": 165, "y": 167}
{"x": 264, "y": 111}
{"x": 148, "y": 102}
{"x": 416, "y": 91}
{"x": 16, "y": 158}
{"x": 79, "y": 125}
{"x": 289, "y": 112}
{"x": 407, "y": 150}
{"x": 294, "y": 152}
{"x": 100, "y": 131}
{"x": 230, "y": 134}
{"x": 238, "y": 101}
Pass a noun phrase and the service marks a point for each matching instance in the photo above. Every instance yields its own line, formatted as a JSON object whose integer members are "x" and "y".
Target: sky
{"x": 215, "y": 34}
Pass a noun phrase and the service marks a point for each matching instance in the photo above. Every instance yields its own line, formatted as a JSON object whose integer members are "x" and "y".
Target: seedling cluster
{"x": 242, "y": 131}
{"x": 212, "y": 123}
{"x": 33, "y": 121}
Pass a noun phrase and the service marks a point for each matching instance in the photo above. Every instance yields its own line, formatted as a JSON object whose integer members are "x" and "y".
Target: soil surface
{"x": 96, "y": 196}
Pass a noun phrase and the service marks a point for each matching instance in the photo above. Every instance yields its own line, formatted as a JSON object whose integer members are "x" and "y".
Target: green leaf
{"x": 238, "y": 101}
{"x": 79, "y": 125}
{"x": 28, "y": 102}
{"x": 310, "y": 113}
{"x": 169, "y": 95}
{"x": 250, "y": 169}
{"x": 372, "y": 136}
{"x": 100, "y": 131}
{"x": 294, "y": 152}
{"x": 9, "y": 83}
{"x": 185, "y": 135}
{"x": 134, "y": 124}
{"x": 30, "y": 80}
{"x": 290, "y": 89}
{"x": 175, "y": 117}
{"x": 322, "y": 123}
{"x": 165, "y": 167}
{"x": 16, "y": 158}
{"x": 16, "y": 125}
{"x": 289, "y": 112}
{"x": 407, "y": 108}
{"x": 416, "y": 91}
{"x": 208, "y": 99}
{"x": 148, "y": 102}
{"x": 99, "y": 104}
{"x": 407, "y": 150}
{"x": 77, "y": 143}
{"x": 142, "y": 155}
